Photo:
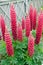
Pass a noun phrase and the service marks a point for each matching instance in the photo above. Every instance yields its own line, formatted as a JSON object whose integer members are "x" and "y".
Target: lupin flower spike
{"x": 39, "y": 29}
{"x": 31, "y": 45}
{"x": 13, "y": 22}
{"x": 2, "y": 26}
{"x": 28, "y": 27}
{"x": 9, "y": 47}
{"x": 19, "y": 32}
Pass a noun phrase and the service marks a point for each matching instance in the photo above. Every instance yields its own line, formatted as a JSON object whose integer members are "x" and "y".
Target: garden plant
{"x": 23, "y": 45}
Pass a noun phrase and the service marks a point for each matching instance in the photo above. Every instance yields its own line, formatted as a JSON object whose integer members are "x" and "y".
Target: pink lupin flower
{"x": 30, "y": 14}
{"x": 19, "y": 32}
{"x": 13, "y": 22}
{"x": 34, "y": 19}
{"x": 39, "y": 28}
{"x": 2, "y": 26}
{"x": 23, "y": 23}
{"x": 28, "y": 28}
{"x": 31, "y": 45}
{"x": 9, "y": 47}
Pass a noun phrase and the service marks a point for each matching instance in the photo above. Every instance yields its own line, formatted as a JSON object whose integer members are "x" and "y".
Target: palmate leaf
{"x": 20, "y": 45}
{"x": 2, "y": 47}
{"x": 34, "y": 33}
{"x": 4, "y": 62}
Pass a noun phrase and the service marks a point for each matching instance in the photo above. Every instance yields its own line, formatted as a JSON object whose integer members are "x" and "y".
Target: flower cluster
{"x": 28, "y": 24}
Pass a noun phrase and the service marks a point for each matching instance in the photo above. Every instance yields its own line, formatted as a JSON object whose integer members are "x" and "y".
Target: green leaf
{"x": 2, "y": 47}
{"x": 34, "y": 33}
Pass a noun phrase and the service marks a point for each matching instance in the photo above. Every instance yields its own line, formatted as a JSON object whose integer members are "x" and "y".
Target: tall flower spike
{"x": 2, "y": 26}
{"x": 30, "y": 14}
{"x": 28, "y": 28}
{"x": 9, "y": 47}
{"x": 13, "y": 22}
{"x": 34, "y": 19}
{"x": 23, "y": 23}
{"x": 39, "y": 28}
{"x": 19, "y": 32}
{"x": 31, "y": 45}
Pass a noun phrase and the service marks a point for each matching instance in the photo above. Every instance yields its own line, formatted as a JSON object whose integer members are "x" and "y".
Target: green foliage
{"x": 2, "y": 47}
{"x": 34, "y": 33}
{"x": 21, "y": 56}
